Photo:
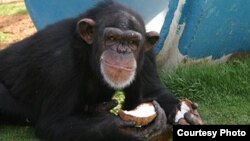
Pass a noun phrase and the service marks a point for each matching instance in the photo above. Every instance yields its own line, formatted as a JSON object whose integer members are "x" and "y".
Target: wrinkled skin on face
{"x": 118, "y": 63}
{"x": 118, "y": 71}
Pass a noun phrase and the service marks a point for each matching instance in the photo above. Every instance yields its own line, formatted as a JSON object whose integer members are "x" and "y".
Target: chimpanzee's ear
{"x": 152, "y": 37}
{"x": 86, "y": 30}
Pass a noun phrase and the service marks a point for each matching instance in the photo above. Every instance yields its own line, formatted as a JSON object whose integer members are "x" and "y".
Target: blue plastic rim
{"x": 212, "y": 27}
{"x": 46, "y": 12}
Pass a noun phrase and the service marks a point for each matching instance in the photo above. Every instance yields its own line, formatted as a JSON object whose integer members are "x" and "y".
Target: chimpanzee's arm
{"x": 153, "y": 89}
{"x": 11, "y": 110}
{"x": 60, "y": 122}
{"x": 79, "y": 129}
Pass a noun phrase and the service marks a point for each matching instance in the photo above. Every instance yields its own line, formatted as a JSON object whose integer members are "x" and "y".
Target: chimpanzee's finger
{"x": 192, "y": 119}
{"x": 194, "y": 106}
{"x": 183, "y": 121}
{"x": 128, "y": 124}
{"x": 109, "y": 105}
{"x": 123, "y": 124}
{"x": 156, "y": 105}
{"x": 159, "y": 111}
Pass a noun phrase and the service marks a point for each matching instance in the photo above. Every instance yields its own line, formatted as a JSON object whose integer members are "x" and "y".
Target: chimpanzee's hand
{"x": 129, "y": 128}
{"x": 155, "y": 128}
{"x": 104, "y": 109}
{"x": 106, "y": 106}
{"x": 186, "y": 113}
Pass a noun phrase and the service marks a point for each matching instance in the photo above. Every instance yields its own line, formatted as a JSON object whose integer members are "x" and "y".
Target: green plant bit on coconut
{"x": 120, "y": 97}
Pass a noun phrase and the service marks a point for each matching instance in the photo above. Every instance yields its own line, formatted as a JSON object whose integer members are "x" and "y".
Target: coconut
{"x": 142, "y": 115}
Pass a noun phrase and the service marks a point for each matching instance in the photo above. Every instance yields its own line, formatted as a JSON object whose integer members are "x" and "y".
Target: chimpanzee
{"x": 62, "y": 78}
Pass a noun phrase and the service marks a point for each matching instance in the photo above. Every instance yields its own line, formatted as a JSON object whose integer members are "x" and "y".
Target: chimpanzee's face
{"x": 119, "y": 42}
{"x": 118, "y": 60}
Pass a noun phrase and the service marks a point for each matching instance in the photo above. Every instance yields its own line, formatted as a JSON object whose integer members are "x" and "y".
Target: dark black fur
{"x": 51, "y": 80}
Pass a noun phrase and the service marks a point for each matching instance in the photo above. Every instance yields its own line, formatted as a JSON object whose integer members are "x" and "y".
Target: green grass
{"x": 3, "y": 37}
{"x": 222, "y": 91}
{"x": 12, "y": 9}
{"x": 15, "y": 133}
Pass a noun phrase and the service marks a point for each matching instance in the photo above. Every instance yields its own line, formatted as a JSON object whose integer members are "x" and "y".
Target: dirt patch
{"x": 17, "y": 27}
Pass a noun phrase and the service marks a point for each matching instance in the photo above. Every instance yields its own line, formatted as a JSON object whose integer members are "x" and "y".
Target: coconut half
{"x": 142, "y": 115}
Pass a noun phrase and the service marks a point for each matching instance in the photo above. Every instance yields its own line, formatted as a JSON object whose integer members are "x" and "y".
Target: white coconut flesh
{"x": 143, "y": 110}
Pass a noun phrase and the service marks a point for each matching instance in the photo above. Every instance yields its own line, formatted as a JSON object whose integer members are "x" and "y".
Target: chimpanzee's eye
{"x": 111, "y": 38}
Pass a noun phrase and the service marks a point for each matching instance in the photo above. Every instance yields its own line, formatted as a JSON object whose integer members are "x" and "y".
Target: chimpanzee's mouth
{"x": 118, "y": 66}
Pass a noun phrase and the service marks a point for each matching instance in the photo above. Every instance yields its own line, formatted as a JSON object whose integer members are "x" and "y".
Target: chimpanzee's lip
{"x": 119, "y": 67}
